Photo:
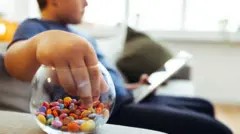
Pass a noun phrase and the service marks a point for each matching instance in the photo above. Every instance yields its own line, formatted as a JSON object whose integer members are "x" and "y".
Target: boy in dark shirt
{"x": 50, "y": 41}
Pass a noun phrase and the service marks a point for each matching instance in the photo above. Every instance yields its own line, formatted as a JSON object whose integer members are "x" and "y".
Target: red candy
{"x": 95, "y": 104}
{"x": 46, "y": 104}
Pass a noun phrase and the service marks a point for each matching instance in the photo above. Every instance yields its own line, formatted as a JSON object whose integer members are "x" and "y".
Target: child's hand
{"x": 75, "y": 62}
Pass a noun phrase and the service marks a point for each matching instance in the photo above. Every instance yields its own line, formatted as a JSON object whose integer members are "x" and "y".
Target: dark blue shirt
{"x": 32, "y": 27}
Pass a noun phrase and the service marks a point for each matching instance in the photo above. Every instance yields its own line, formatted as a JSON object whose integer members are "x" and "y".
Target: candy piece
{"x": 71, "y": 117}
{"x": 78, "y": 112}
{"x": 66, "y": 104}
{"x": 92, "y": 110}
{"x": 105, "y": 113}
{"x": 85, "y": 113}
{"x": 38, "y": 113}
{"x": 55, "y": 113}
{"x": 49, "y": 121}
{"x": 95, "y": 104}
{"x": 55, "y": 108}
{"x": 92, "y": 116}
{"x": 45, "y": 104}
{"x": 49, "y": 116}
{"x": 64, "y": 128}
{"x": 65, "y": 111}
{"x": 57, "y": 119}
{"x": 85, "y": 118}
{"x": 54, "y": 104}
{"x": 98, "y": 110}
{"x": 49, "y": 111}
{"x": 67, "y": 100}
{"x": 62, "y": 116}
{"x": 42, "y": 109}
{"x": 67, "y": 120}
{"x": 60, "y": 101}
{"x": 59, "y": 111}
{"x": 74, "y": 100}
{"x": 61, "y": 106}
{"x": 74, "y": 116}
{"x": 80, "y": 122}
{"x": 101, "y": 105}
{"x": 42, "y": 119}
{"x": 57, "y": 124}
{"x": 73, "y": 127}
{"x": 88, "y": 126}
{"x": 71, "y": 106}
{"x": 73, "y": 110}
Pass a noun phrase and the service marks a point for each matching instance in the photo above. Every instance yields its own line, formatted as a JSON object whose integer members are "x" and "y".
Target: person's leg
{"x": 167, "y": 119}
{"x": 195, "y": 104}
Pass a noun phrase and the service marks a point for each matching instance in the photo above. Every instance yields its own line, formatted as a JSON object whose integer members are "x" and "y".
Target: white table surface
{"x": 20, "y": 123}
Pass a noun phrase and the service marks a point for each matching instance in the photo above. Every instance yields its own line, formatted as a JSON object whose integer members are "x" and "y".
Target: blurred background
{"x": 208, "y": 29}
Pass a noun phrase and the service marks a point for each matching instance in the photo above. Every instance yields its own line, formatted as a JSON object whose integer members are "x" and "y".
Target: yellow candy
{"x": 42, "y": 119}
{"x": 85, "y": 113}
{"x": 88, "y": 126}
{"x": 67, "y": 100}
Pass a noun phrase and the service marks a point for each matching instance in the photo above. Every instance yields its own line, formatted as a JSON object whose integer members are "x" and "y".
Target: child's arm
{"x": 61, "y": 50}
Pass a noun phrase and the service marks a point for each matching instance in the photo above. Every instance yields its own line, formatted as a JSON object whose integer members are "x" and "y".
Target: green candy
{"x": 49, "y": 121}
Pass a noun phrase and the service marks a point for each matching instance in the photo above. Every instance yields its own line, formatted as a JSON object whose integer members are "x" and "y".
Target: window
{"x": 205, "y": 15}
{"x": 107, "y": 12}
{"x": 155, "y": 14}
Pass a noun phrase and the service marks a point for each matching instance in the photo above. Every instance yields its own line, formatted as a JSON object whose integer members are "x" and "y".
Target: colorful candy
{"x": 88, "y": 126}
{"x": 67, "y": 100}
{"x": 49, "y": 111}
{"x": 45, "y": 104}
{"x": 73, "y": 127}
{"x": 61, "y": 106}
{"x": 42, "y": 109}
{"x": 70, "y": 115}
{"x": 79, "y": 122}
{"x": 49, "y": 121}
{"x": 55, "y": 113}
{"x": 62, "y": 116}
{"x": 49, "y": 116}
{"x": 42, "y": 119}
{"x": 57, "y": 124}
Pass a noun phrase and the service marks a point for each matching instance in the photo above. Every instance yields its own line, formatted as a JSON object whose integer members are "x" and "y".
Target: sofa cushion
{"x": 14, "y": 94}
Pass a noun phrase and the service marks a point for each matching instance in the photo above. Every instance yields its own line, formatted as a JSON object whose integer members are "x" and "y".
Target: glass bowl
{"x": 56, "y": 111}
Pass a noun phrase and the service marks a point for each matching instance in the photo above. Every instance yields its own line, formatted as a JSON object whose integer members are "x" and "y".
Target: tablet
{"x": 157, "y": 78}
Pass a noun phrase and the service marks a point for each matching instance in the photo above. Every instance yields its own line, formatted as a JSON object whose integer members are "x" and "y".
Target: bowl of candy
{"x": 57, "y": 111}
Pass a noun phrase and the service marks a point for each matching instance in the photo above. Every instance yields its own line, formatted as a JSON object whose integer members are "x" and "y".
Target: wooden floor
{"x": 229, "y": 115}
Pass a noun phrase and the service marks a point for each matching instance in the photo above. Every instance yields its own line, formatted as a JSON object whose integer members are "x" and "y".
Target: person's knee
{"x": 208, "y": 106}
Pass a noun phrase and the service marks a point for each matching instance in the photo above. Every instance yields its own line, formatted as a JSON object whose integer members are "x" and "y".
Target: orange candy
{"x": 74, "y": 116}
{"x": 98, "y": 110}
{"x": 73, "y": 127}
{"x": 95, "y": 104}
{"x": 55, "y": 113}
{"x": 49, "y": 111}
{"x": 101, "y": 105}
{"x": 66, "y": 104}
